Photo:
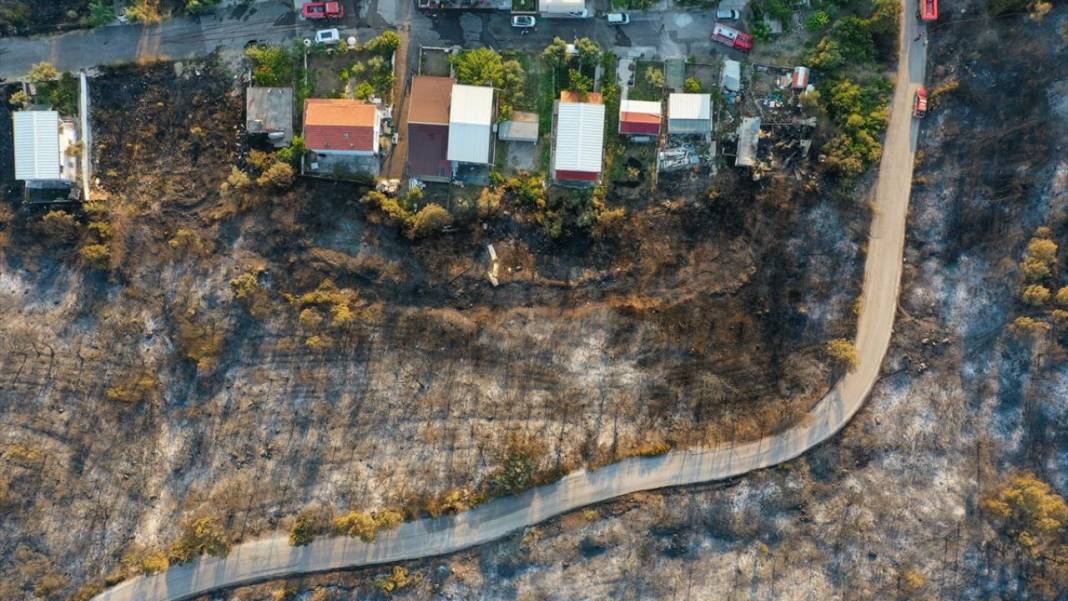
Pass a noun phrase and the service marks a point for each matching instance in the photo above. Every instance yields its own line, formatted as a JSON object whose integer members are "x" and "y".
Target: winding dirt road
{"x": 271, "y": 558}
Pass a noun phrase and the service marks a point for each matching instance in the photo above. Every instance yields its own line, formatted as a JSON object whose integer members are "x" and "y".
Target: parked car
{"x": 579, "y": 14}
{"x": 328, "y": 37}
{"x": 919, "y": 103}
{"x": 728, "y": 15}
{"x": 524, "y": 21}
{"x": 323, "y": 10}
{"x": 618, "y": 18}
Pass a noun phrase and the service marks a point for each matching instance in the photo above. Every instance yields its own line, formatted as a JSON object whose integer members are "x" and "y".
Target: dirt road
{"x": 274, "y": 557}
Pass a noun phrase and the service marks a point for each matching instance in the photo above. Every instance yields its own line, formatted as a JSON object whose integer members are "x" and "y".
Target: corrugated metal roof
{"x": 579, "y": 137}
{"x": 731, "y": 78}
{"x": 470, "y": 124}
{"x": 36, "y": 145}
{"x": 690, "y": 106}
{"x": 645, "y": 107}
{"x": 748, "y": 138}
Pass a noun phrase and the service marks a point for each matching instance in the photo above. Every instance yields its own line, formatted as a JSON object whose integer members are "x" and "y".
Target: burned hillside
{"x": 191, "y": 345}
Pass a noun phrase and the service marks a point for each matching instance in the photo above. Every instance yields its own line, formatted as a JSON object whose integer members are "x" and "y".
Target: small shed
{"x": 748, "y": 138}
{"x": 520, "y": 127}
{"x": 37, "y": 154}
{"x": 731, "y": 77}
{"x": 799, "y": 79}
{"x": 639, "y": 117}
{"x": 269, "y": 112}
{"x": 690, "y": 114}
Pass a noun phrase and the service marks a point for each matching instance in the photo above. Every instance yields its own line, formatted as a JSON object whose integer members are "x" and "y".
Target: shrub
{"x": 388, "y": 519}
{"x": 155, "y": 562}
{"x": 271, "y": 66}
{"x": 1042, "y": 249}
{"x": 357, "y": 523}
{"x": 135, "y": 389}
{"x": 203, "y": 536}
{"x": 280, "y": 175}
{"x": 395, "y": 581}
{"x": 1029, "y": 326}
{"x": 489, "y": 203}
{"x": 692, "y": 85}
{"x": 385, "y": 43}
{"x": 1027, "y": 511}
{"x": 19, "y": 99}
{"x": 843, "y": 352}
{"x": 655, "y": 77}
{"x": 42, "y": 72}
{"x": 431, "y": 218}
{"x": 519, "y": 463}
{"x": 304, "y": 530}
{"x": 1035, "y": 295}
{"x": 1060, "y": 318}
{"x": 817, "y": 21}
{"x": 144, "y": 11}
{"x": 59, "y": 225}
{"x": 97, "y": 255}
{"x": 1034, "y": 269}
{"x": 245, "y": 286}
{"x": 1062, "y": 297}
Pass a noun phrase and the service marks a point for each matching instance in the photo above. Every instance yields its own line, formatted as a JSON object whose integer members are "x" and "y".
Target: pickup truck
{"x": 729, "y": 36}
{"x": 919, "y": 103}
{"x": 323, "y": 10}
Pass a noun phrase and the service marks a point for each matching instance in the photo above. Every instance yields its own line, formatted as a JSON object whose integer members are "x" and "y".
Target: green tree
{"x": 271, "y": 65}
{"x": 364, "y": 90}
{"x": 817, "y": 21}
{"x": 589, "y": 53}
{"x": 42, "y": 72}
{"x": 655, "y": 77}
{"x": 579, "y": 83}
{"x": 385, "y": 43}
{"x": 1029, "y": 512}
{"x": 101, "y": 12}
{"x": 692, "y": 85}
{"x": 485, "y": 67}
{"x": 555, "y": 54}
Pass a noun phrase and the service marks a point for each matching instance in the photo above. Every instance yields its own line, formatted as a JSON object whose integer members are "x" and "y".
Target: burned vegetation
{"x": 211, "y": 339}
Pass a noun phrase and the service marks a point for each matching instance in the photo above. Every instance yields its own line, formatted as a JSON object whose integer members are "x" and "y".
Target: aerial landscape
{"x": 533, "y": 300}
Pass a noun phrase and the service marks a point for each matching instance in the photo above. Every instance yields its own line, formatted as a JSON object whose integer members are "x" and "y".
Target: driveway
{"x": 273, "y": 557}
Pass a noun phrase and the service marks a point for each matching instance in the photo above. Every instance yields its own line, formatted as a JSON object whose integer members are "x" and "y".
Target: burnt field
{"x": 148, "y": 387}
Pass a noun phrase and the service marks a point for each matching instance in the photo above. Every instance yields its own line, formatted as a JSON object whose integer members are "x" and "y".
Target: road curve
{"x": 271, "y": 558}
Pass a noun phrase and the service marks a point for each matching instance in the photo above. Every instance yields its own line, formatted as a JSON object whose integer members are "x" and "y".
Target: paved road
{"x": 273, "y": 557}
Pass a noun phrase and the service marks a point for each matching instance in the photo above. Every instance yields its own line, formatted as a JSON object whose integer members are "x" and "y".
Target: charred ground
{"x": 138, "y": 391}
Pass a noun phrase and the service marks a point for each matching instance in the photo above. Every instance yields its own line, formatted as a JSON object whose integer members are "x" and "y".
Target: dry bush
{"x": 843, "y": 352}
{"x": 201, "y": 536}
{"x": 136, "y": 388}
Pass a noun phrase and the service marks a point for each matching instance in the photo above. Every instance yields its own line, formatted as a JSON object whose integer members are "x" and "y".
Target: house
{"x": 471, "y": 115}
{"x": 562, "y": 8}
{"x": 269, "y": 112}
{"x": 639, "y": 117}
{"x": 748, "y": 139}
{"x": 520, "y": 127}
{"x": 579, "y": 138}
{"x": 429, "y": 110}
{"x": 690, "y": 114}
{"x": 731, "y": 77}
{"x": 341, "y": 127}
{"x": 41, "y": 140}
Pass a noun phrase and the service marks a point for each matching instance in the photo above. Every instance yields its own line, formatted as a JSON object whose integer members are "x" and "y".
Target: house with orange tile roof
{"x": 341, "y": 127}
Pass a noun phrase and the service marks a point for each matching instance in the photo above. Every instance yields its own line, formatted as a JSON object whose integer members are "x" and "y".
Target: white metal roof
{"x": 690, "y": 106}
{"x": 36, "y": 145}
{"x": 561, "y": 6}
{"x": 579, "y": 137}
{"x": 731, "y": 78}
{"x": 748, "y": 138}
{"x": 470, "y": 124}
{"x": 645, "y": 107}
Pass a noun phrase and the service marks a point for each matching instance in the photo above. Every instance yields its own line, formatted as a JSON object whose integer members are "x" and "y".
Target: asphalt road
{"x": 272, "y": 558}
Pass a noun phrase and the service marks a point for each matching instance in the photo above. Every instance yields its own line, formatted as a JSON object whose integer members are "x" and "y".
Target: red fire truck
{"x": 928, "y": 10}
{"x": 729, "y": 36}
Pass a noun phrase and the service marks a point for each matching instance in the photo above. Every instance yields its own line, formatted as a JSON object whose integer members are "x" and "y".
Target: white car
{"x": 579, "y": 14}
{"x": 728, "y": 15}
{"x": 328, "y": 37}
{"x": 523, "y": 21}
{"x": 618, "y": 18}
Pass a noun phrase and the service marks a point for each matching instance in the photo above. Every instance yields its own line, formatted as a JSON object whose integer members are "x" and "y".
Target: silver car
{"x": 728, "y": 15}
{"x": 523, "y": 21}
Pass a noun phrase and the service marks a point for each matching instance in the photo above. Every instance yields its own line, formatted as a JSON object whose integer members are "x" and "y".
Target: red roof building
{"x": 341, "y": 127}
{"x": 639, "y": 117}
{"x": 430, "y": 101}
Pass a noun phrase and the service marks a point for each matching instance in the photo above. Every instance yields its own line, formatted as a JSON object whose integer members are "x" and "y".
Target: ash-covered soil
{"x": 892, "y": 508}
{"x": 137, "y": 397}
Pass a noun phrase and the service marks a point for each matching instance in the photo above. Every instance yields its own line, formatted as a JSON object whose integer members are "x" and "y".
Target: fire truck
{"x": 729, "y": 36}
{"x": 928, "y": 10}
